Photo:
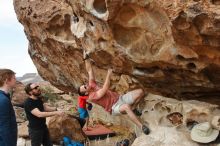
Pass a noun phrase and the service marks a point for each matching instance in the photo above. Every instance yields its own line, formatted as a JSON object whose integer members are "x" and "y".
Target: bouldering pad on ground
{"x": 99, "y": 132}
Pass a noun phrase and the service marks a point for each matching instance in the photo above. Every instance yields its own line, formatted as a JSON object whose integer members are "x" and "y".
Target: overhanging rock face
{"x": 167, "y": 47}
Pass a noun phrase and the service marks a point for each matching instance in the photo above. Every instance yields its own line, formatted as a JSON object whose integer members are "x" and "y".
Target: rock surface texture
{"x": 60, "y": 126}
{"x": 167, "y": 47}
{"x": 167, "y": 128}
{"x": 19, "y": 95}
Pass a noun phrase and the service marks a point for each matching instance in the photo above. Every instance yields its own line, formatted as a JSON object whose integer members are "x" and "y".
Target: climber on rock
{"x": 111, "y": 101}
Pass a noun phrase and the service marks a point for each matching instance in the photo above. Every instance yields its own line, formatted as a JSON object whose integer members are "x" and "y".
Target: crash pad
{"x": 99, "y": 132}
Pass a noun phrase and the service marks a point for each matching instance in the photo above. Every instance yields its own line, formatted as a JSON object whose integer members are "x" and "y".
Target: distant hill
{"x": 30, "y": 78}
{"x": 35, "y": 78}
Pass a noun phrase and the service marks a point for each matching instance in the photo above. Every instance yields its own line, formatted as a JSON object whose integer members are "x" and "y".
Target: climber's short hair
{"x": 79, "y": 92}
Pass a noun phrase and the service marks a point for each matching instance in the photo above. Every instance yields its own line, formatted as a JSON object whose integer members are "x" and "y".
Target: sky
{"x": 13, "y": 42}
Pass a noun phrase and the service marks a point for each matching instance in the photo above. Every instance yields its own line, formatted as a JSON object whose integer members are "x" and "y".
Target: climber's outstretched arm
{"x": 89, "y": 69}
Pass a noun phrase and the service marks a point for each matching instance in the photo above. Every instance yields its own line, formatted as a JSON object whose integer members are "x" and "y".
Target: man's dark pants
{"x": 40, "y": 136}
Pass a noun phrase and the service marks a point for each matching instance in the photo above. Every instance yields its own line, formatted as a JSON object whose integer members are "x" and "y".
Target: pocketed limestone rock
{"x": 164, "y": 136}
{"x": 20, "y": 114}
{"x": 60, "y": 126}
{"x": 23, "y": 130}
{"x": 166, "y": 47}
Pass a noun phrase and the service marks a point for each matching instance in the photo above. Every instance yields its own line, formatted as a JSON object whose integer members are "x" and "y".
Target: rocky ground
{"x": 168, "y": 119}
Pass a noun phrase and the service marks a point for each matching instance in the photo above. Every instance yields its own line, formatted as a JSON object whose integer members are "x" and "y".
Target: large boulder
{"x": 171, "y": 120}
{"x": 165, "y": 136}
{"x": 19, "y": 95}
{"x": 167, "y": 47}
{"x": 20, "y": 114}
{"x": 60, "y": 126}
{"x": 23, "y": 130}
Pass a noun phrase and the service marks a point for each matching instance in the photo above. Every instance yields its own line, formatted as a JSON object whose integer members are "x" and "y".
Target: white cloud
{"x": 13, "y": 48}
{"x": 7, "y": 13}
{"x": 16, "y": 57}
{"x": 20, "y": 63}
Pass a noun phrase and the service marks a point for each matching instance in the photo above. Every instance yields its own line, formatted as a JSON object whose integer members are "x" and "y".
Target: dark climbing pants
{"x": 40, "y": 136}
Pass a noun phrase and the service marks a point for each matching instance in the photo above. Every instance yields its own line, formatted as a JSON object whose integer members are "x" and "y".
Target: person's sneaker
{"x": 137, "y": 112}
{"x": 145, "y": 130}
{"x": 125, "y": 142}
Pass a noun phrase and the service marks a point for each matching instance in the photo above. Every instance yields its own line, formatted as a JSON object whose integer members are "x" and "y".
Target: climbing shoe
{"x": 137, "y": 112}
{"x": 124, "y": 142}
{"x": 145, "y": 130}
